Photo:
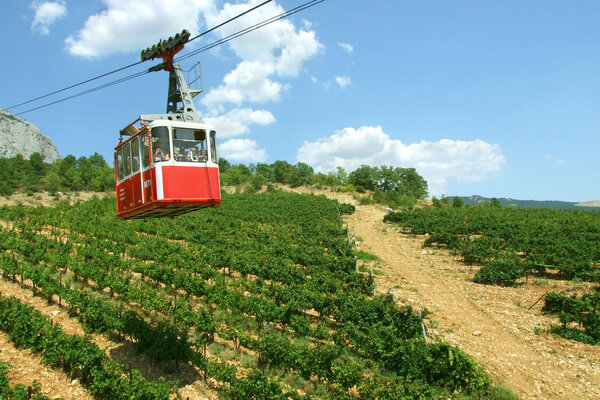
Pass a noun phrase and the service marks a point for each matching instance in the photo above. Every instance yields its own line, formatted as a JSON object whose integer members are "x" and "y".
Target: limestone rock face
{"x": 18, "y": 136}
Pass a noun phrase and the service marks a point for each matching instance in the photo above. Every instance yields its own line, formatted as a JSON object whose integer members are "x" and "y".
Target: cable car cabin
{"x": 165, "y": 169}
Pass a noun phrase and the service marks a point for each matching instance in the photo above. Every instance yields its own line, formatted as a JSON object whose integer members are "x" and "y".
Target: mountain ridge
{"x": 553, "y": 204}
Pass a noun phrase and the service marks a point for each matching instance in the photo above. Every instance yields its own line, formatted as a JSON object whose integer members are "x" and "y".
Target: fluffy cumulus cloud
{"x": 245, "y": 150}
{"x": 267, "y": 56}
{"x": 130, "y": 25}
{"x": 46, "y": 13}
{"x": 437, "y": 162}
{"x": 249, "y": 81}
{"x": 235, "y": 122}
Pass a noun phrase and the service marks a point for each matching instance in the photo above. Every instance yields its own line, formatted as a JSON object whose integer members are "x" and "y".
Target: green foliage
{"x": 579, "y": 315}
{"x": 499, "y": 272}
{"x": 515, "y": 241}
{"x": 405, "y": 182}
{"x": 366, "y": 256}
{"x": 458, "y": 202}
{"x": 68, "y": 174}
{"x": 276, "y": 280}
{"x": 347, "y": 208}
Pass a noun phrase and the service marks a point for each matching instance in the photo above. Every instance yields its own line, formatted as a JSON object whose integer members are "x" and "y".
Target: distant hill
{"x": 18, "y": 136}
{"x": 558, "y": 205}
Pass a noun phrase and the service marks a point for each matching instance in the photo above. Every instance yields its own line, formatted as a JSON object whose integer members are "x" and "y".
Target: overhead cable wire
{"x": 73, "y": 86}
{"x": 128, "y": 66}
{"x": 229, "y": 20}
{"x": 87, "y": 91}
{"x": 251, "y": 28}
{"x": 202, "y": 49}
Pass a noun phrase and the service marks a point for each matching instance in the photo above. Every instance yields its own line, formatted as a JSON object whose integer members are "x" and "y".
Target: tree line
{"x": 386, "y": 184}
{"x": 67, "y": 174}
{"x": 395, "y": 186}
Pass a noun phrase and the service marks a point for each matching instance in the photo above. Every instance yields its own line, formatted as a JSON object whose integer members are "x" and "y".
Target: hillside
{"x": 493, "y": 324}
{"x": 259, "y": 298}
{"x": 552, "y": 204}
{"x": 18, "y": 136}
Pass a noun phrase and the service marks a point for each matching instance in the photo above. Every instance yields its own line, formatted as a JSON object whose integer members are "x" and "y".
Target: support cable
{"x": 191, "y": 54}
{"x": 126, "y": 67}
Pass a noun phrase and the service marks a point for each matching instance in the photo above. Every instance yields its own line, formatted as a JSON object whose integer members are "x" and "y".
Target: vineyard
{"x": 259, "y": 297}
{"x": 513, "y": 245}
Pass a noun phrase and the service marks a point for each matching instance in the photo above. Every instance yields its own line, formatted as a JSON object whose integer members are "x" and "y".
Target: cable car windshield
{"x": 161, "y": 147}
{"x": 189, "y": 145}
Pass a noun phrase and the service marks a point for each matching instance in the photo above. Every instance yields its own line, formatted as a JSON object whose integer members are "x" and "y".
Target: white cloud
{"x": 236, "y": 121}
{"x": 279, "y": 46}
{"x": 244, "y": 150}
{"x": 247, "y": 82}
{"x": 46, "y": 14}
{"x": 343, "y": 81}
{"x": 131, "y": 25}
{"x": 348, "y": 48}
{"x": 267, "y": 56}
{"x": 465, "y": 161}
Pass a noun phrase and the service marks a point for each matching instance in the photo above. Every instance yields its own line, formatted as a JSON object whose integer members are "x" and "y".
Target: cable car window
{"x": 189, "y": 145}
{"x": 145, "y": 154}
{"x": 213, "y": 147}
{"x": 161, "y": 148}
{"x": 135, "y": 154}
{"x": 127, "y": 159}
{"x": 120, "y": 163}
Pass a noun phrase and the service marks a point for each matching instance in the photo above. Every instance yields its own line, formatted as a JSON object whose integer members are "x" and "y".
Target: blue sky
{"x": 491, "y": 98}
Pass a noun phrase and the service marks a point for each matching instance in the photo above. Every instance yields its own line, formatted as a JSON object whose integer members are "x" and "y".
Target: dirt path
{"x": 493, "y": 324}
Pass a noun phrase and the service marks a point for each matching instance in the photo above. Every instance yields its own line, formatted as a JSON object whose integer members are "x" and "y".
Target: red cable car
{"x": 165, "y": 169}
{"x": 168, "y": 165}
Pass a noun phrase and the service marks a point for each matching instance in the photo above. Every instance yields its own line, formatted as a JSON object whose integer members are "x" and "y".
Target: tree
{"x": 266, "y": 171}
{"x": 224, "y": 165}
{"x": 364, "y": 177}
{"x": 458, "y": 202}
{"x": 282, "y": 171}
{"x": 341, "y": 175}
{"x": 495, "y": 202}
{"x": 303, "y": 174}
{"x": 412, "y": 184}
{"x": 236, "y": 175}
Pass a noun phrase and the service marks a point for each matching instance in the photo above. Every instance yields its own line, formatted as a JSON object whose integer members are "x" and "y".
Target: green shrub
{"x": 499, "y": 272}
{"x": 346, "y": 208}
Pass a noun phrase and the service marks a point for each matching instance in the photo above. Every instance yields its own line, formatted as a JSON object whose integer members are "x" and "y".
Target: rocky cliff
{"x": 18, "y": 136}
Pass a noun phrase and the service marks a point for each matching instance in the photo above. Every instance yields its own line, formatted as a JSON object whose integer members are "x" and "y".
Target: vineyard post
{"x": 422, "y": 324}
{"x": 391, "y": 292}
{"x": 537, "y": 301}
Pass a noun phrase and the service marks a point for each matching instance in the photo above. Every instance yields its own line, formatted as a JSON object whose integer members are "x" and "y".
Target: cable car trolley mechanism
{"x": 168, "y": 164}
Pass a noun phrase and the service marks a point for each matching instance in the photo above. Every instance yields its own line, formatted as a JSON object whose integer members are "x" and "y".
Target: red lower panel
{"x": 182, "y": 182}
